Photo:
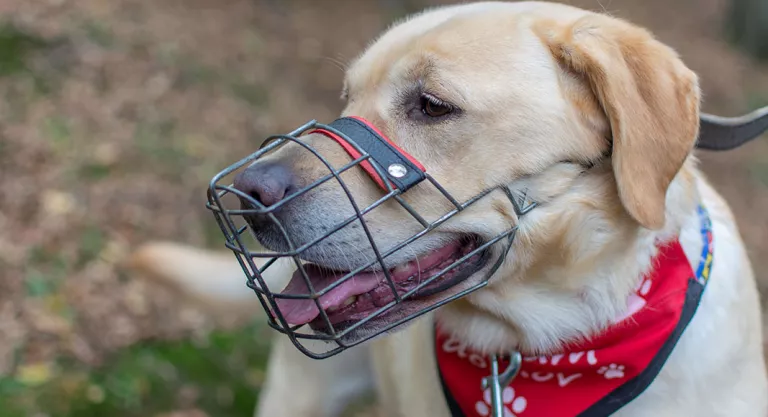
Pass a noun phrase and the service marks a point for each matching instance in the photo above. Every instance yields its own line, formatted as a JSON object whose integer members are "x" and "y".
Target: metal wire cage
{"x": 232, "y": 216}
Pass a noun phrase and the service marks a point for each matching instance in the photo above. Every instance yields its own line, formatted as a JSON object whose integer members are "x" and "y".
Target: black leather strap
{"x": 381, "y": 151}
{"x": 725, "y": 133}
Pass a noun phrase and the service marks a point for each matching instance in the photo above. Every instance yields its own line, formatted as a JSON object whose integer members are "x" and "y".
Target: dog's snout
{"x": 267, "y": 182}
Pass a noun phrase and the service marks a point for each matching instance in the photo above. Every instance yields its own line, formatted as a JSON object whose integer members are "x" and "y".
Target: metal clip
{"x": 521, "y": 202}
{"x": 498, "y": 381}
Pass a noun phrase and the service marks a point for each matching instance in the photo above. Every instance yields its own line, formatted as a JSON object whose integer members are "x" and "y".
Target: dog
{"x": 597, "y": 121}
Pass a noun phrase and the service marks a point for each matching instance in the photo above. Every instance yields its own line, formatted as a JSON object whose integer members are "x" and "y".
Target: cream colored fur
{"x": 538, "y": 84}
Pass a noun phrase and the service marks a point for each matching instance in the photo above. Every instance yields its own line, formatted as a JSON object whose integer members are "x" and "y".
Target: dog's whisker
{"x": 336, "y": 63}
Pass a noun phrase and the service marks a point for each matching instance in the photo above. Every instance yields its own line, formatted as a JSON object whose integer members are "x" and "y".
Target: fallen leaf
{"x": 106, "y": 154}
{"x": 95, "y": 394}
{"x": 58, "y": 203}
{"x": 35, "y": 374}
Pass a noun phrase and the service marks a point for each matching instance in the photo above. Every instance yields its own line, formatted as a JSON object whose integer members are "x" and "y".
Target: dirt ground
{"x": 113, "y": 117}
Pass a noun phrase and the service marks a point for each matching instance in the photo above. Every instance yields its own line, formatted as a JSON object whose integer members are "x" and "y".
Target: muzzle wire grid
{"x": 340, "y": 340}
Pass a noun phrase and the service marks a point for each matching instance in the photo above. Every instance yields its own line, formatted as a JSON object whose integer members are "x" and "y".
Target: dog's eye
{"x": 434, "y": 107}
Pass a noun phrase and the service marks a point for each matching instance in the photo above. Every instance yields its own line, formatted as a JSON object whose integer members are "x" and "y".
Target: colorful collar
{"x": 595, "y": 377}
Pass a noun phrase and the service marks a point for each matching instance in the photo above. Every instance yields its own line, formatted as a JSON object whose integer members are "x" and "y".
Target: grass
{"x": 39, "y": 284}
{"x": 758, "y": 169}
{"x": 255, "y": 95}
{"x": 94, "y": 171}
{"x": 99, "y": 33}
{"x": 220, "y": 375}
{"x": 58, "y": 129}
{"x": 45, "y": 270}
{"x": 15, "y": 46}
{"x": 195, "y": 74}
{"x": 759, "y": 173}
{"x": 746, "y": 25}
{"x": 756, "y": 100}
{"x": 92, "y": 242}
{"x": 157, "y": 140}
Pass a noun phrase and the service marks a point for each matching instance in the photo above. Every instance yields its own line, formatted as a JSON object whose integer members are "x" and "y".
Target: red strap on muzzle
{"x": 358, "y": 137}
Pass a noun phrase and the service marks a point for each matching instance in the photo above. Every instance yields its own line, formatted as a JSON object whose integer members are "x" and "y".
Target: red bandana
{"x": 595, "y": 377}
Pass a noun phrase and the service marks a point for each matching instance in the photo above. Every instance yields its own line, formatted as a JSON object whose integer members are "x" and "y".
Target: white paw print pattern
{"x": 513, "y": 405}
{"x": 612, "y": 371}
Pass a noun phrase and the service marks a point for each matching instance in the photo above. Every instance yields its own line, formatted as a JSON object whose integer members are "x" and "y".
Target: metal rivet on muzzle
{"x": 397, "y": 170}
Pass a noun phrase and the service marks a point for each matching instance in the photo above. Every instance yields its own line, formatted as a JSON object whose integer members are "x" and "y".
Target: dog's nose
{"x": 267, "y": 182}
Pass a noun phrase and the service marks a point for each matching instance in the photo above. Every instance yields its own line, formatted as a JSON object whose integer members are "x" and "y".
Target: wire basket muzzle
{"x": 291, "y": 288}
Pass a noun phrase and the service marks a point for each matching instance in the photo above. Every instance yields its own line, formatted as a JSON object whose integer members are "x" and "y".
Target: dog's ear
{"x": 651, "y": 100}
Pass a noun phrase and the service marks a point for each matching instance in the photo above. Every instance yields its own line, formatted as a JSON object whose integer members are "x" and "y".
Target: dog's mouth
{"x": 368, "y": 291}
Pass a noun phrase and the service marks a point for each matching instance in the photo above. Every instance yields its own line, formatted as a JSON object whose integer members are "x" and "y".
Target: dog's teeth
{"x": 349, "y": 301}
{"x": 402, "y": 268}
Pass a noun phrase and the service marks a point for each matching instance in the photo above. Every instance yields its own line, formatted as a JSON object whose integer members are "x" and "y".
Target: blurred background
{"x": 115, "y": 114}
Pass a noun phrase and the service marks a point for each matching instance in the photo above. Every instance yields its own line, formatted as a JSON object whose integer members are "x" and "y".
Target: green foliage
{"x": 99, "y": 34}
{"x": 221, "y": 376}
{"x": 39, "y": 284}
{"x": 759, "y": 172}
{"x": 95, "y": 171}
{"x": 15, "y": 47}
{"x": 58, "y": 130}
{"x": 747, "y": 26}
{"x": 254, "y": 94}
{"x": 45, "y": 271}
{"x": 92, "y": 241}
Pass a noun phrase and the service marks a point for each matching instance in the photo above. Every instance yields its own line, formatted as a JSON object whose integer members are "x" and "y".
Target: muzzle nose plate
{"x": 403, "y": 171}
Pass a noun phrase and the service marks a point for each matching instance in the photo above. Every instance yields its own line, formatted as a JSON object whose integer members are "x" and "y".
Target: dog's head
{"x": 589, "y": 115}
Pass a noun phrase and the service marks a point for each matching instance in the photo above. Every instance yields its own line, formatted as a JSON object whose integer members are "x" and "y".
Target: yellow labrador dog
{"x": 598, "y": 121}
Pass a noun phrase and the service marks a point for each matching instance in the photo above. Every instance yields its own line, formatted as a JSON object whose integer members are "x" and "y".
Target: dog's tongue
{"x": 303, "y": 311}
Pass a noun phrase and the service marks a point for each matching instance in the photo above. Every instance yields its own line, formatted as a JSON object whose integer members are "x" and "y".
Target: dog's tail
{"x": 214, "y": 280}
